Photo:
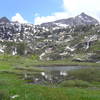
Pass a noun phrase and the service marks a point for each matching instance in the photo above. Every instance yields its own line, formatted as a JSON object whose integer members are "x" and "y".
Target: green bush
{"x": 90, "y": 74}
{"x": 35, "y": 57}
{"x": 81, "y": 83}
{"x": 21, "y": 48}
{"x": 69, "y": 83}
{"x": 75, "y": 83}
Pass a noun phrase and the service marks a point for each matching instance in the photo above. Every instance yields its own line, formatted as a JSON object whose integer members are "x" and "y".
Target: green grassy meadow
{"x": 13, "y": 87}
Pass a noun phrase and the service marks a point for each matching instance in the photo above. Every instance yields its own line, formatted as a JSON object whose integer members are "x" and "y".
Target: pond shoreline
{"x": 65, "y": 65}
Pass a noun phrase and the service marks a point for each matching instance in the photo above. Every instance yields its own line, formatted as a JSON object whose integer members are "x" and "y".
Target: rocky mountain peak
{"x": 83, "y": 14}
{"x": 85, "y": 19}
{"x": 4, "y": 20}
{"x": 82, "y": 19}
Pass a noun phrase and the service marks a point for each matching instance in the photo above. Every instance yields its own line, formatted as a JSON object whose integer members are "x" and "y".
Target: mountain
{"x": 80, "y": 42}
{"x": 82, "y": 19}
{"x": 4, "y": 20}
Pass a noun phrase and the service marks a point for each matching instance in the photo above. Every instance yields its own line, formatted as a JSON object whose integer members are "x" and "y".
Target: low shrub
{"x": 74, "y": 83}
{"x": 4, "y": 95}
{"x": 90, "y": 74}
{"x": 81, "y": 83}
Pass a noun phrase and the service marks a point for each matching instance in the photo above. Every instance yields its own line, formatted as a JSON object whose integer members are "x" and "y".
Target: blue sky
{"x": 39, "y": 11}
{"x": 28, "y": 8}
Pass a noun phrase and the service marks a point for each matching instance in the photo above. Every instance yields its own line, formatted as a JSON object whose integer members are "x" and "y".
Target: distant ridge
{"x": 82, "y": 19}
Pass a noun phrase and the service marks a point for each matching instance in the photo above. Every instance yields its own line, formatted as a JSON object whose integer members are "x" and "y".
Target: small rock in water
{"x": 63, "y": 73}
{"x": 36, "y": 79}
{"x": 43, "y": 73}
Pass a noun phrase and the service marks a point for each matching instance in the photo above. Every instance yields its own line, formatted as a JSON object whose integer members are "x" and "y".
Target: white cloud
{"x": 53, "y": 17}
{"x": 73, "y": 8}
{"x": 19, "y": 18}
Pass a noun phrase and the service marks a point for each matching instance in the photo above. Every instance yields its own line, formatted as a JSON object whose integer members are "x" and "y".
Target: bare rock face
{"x": 60, "y": 39}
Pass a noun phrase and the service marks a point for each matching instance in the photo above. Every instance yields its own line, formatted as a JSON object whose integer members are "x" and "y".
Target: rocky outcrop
{"x": 50, "y": 43}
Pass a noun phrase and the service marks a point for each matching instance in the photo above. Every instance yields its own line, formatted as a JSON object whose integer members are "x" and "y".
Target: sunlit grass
{"x": 16, "y": 86}
{"x": 11, "y": 83}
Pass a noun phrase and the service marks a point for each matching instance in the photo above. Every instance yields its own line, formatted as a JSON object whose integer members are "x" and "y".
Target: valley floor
{"x": 14, "y": 87}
